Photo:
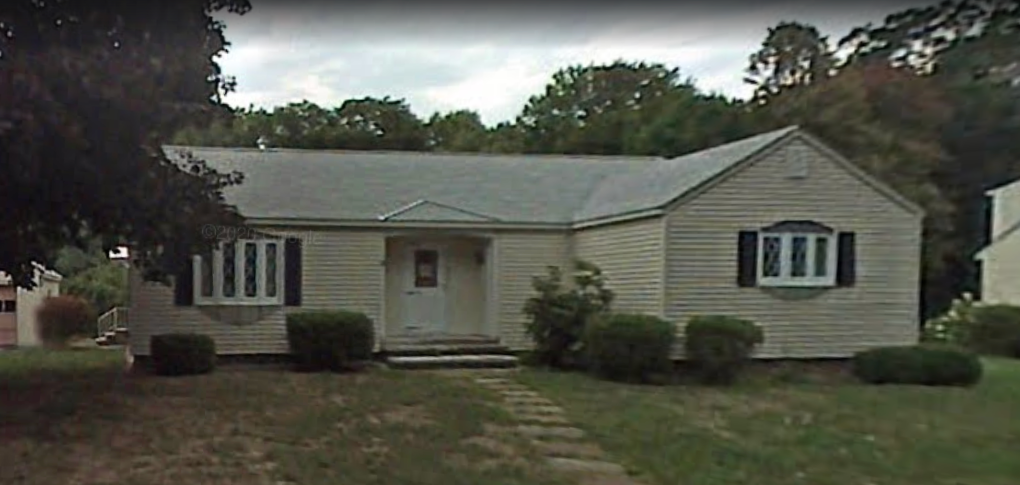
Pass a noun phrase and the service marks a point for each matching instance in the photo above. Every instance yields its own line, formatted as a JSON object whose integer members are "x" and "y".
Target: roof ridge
{"x": 339, "y": 151}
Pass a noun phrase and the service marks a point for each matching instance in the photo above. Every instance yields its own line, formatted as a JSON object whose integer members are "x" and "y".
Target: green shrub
{"x": 996, "y": 330}
{"x": 558, "y": 315}
{"x": 932, "y": 365}
{"x": 178, "y": 354}
{"x": 954, "y": 326}
{"x": 329, "y": 340}
{"x": 629, "y": 347}
{"x": 719, "y": 347}
{"x": 64, "y": 317}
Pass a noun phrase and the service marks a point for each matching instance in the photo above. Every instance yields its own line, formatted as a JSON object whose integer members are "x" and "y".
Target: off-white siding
{"x": 343, "y": 269}
{"x": 1000, "y": 262}
{"x": 880, "y": 309}
{"x": 521, "y": 256}
{"x": 1005, "y": 208}
{"x": 631, "y": 256}
{"x": 1000, "y": 271}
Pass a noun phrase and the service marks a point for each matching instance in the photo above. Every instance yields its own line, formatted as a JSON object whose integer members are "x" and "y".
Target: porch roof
{"x": 330, "y": 185}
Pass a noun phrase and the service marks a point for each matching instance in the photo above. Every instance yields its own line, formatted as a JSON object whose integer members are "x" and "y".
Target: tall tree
{"x": 506, "y": 137}
{"x": 889, "y": 121}
{"x": 793, "y": 54}
{"x": 379, "y": 123}
{"x": 589, "y": 109}
{"x": 972, "y": 49}
{"x": 457, "y": 131}
{"x": 689, "y": 120}
{"x": 89, "y": 91}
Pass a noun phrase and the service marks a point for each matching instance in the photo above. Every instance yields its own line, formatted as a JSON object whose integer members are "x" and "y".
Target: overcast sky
{"x": 492, "y": 58}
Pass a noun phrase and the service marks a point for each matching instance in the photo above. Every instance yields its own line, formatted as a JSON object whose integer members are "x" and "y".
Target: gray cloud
{"x": 491, "y": 58}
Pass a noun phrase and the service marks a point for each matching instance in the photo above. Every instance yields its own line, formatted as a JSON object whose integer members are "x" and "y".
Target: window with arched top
{"x": 796, "y": 254}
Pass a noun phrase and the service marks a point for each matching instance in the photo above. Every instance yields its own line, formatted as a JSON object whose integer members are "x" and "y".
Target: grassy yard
{"x": 812, "y": 434}
{"x": 76, "y": 418}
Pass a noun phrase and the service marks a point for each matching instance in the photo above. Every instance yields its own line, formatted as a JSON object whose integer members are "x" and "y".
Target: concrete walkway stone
{"x": 586, "y": 466}
{"x": 542, "y": 418}
{"x": 564, "y": 447}
{"x": 538, "y": 431}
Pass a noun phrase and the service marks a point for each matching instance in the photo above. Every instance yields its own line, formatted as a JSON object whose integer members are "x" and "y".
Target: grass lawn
{"x": 812, "y": 434}
{"x": 76, "y": 418}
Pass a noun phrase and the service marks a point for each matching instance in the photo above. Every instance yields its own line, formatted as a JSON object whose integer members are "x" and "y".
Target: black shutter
{"x": 747, "y": 258}
{"x": 292, "y": 272}
{"x": 184, "y": 284}
{"x": 846, "y": 263}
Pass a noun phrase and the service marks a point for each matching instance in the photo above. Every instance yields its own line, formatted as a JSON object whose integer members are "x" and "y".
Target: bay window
{"x": 241, "y": 272}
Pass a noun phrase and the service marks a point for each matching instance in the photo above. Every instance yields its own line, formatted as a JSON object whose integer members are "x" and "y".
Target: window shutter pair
{"x": 184, "y": 279}
{"x": 747, "y": 259}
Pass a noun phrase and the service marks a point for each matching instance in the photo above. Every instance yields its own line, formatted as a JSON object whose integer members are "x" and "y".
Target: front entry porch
{"x": 438, "y": 289}
{"x": 439, "y": 305}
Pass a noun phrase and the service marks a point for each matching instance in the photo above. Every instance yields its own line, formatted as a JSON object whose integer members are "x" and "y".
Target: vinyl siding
{"x": 880, "y": 309}
{"x": 631, "y": 256}
{"x": 1000, "y": 272}
{"x": 522, "y": 256}
{"x": 342, "y": 270}
{"x": 1005, "y": 208}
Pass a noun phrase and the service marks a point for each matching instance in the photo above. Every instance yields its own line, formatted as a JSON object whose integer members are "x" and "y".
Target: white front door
{"x": 424, "y": 295}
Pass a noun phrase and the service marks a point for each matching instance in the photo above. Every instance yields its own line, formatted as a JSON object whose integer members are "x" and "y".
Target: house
{"x": 999, "y": 260}
{"x": 18, "y": 307}
{"x": 777, "y": 228}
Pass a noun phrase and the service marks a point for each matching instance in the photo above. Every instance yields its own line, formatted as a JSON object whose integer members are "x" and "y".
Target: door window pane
{"x": 426, "y": 268}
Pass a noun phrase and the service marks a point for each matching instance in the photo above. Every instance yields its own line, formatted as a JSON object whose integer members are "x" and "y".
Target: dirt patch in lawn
{"x": 236, "y": 427}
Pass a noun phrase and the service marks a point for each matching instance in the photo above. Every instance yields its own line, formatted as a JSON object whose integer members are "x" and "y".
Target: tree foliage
{"x": 90, "y": 91}
{"x": 793, "y": 54}
{"x": 591, "y": 109}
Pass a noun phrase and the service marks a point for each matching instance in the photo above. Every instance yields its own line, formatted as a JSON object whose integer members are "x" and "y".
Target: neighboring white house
{"x": 1000, "y": 259}
{"x": 777, "y": 228}
{"x": 18, "y": 307}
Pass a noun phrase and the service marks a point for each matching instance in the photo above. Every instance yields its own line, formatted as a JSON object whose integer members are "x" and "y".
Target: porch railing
{"x": 109, "y": 322}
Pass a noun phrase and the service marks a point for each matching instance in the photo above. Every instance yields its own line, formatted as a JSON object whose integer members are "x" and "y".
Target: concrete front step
{"x": 451, "y": 361}
{"x": 426, "y": 349}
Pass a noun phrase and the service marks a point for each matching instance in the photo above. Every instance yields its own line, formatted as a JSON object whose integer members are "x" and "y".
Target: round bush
{"x": 64, "y": 317}
{"x": 179, "y": 354}
{"x": 720, "y": 346}
{"x": 329, "y": 339}
{"x": 996, "y": 330}
{"x": 932, "y": 365}
{"x": 629, "y": 347}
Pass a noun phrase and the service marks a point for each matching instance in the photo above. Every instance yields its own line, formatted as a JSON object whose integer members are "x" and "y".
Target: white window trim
{"x": 239, "y": 297}
{"x": 785, "y": 279}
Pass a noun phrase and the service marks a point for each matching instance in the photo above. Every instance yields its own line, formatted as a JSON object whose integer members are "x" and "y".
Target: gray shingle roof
{"x": 432, "y": 187}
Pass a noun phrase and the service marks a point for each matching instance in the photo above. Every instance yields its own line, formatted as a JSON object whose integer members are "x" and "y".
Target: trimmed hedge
{"x": 179, "y": 354}
{"x": 629, "y": 347}
{"x": 329, "y": 339}
{"x": 996, "y": 330}
{"x": 720, "y": 346}
{"x": 64, "y": 317}
{"x": 930, "y": 365}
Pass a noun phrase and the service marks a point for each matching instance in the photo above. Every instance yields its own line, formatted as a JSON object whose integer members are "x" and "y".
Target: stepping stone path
{"x": 565, "y": 447}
